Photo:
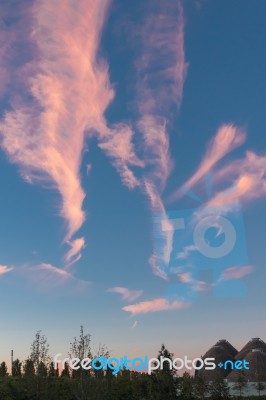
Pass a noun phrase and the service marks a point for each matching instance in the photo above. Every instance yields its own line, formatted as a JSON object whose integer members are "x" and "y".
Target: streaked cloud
{"x": 4, "y": 269}
{"x": 126, "y": 294}
{"x": 237, "y": 272}
{"x": 118, "y": 145}
{"x": 65, "y": 93}
{"x": 74, "y": 253}
{"x": 47, "y": 276}
{"x": 135, "y": 324}
{"x": 227, "y": 138}
{"x": 185, "y": 277}
{"x": 158, "y": 304}
{"x": 246, "y": 180}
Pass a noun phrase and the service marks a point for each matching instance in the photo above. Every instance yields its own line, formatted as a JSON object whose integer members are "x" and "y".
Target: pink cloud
{"x": 237, "y": 272}
{"x": 185, "y": 277}
{"x": 159, "y": 304}
{"x": 126, "y": 294}
{"x": 4, "y": 269}
{"x": 118, "y": 145}
{"x": 227, "y": 138}
{"x": 160, "y": 90}
{"x": 66, "y": 92}
{"x": 246, "y": 179}
{"x": 158, "y": 259}
{"x": 47, "y": 276}
{"x": 74, "y": 253}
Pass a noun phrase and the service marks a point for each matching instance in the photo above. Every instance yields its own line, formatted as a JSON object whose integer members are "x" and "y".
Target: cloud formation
{"x": 126, "y": 294}
{"x": 227, "y": 138}
{"x": 159, "y": 304}
{"x": 237, "y": 272}
{"x": 65, "y": 94}
{"x": 4, "y": 269}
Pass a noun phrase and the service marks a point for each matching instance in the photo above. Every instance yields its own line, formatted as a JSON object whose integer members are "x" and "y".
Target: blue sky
{"x": 106, "y": 113}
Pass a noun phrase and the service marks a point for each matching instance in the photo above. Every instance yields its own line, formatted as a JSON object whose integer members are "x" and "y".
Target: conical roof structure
{"x": 255, "y": 343}
{"x": 257, "y": 368}
{"x": 227, "y": 346}
{"x": 220, "y": 354}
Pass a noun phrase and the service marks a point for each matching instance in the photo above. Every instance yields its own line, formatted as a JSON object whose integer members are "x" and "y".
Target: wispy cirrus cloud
{"x": 158, "y": 304}
{"x": 117, "y": 143}
{"x": 74, "y": 253}
{"x": 245, "y": 179}
{"x": 49, "y": 277}
{"x": 237, "y": 272}
{"x": 227, "y": 138}
{"x": 4, "y": 269}
{"x": 134, "y": 325}
{"x": 65, "y": 93}
{"x": 161, "y": 70}
{"x": 126, "y": 294}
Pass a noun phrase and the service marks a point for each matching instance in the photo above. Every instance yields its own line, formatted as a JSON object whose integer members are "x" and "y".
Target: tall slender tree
{"x": 3, "y": 369}
{"x": 16, "y": 368}
{"x": 39, "y": 350}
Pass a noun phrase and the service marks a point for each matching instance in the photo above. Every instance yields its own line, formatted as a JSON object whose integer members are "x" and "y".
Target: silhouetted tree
{"x": 39, "y": 350}
{"x": 52, "y": 372}
{"x": 66, "y": 372}
{"x": 28, "y": 368}
{"x": 166, "y": 367}
{"x": 16, "y": 368}
{"x": 219, "y": 388}
{"x": 241, "y": 383}
{"x": 201, "y": 388}
{"x": 3, "y": 369}
{"x": 42, "y": 369}
{"x": 185, "y": 387}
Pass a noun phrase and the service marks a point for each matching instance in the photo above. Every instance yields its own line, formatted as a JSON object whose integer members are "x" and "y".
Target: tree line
{"x": 37, "y": 379}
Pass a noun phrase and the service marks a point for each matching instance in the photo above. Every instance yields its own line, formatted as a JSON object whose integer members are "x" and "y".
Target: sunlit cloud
{"x": 158, "y": 304}
{"x": 185, "y": 277}
{"x": 237, "y": 272}
{"x": 118, "y": 145}
{"x": 74, "y": 253}
{"x": 4, "y": 269}
{"x": 227, "y": 138}
{"x": 246, "y": 180}
{"x": 66, "y": 92}
{"x": 47, "y": 276}
{"x": 126, "y": 294}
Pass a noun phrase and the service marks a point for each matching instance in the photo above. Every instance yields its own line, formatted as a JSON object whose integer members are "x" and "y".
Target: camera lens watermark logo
{"x": 208, "y": 238}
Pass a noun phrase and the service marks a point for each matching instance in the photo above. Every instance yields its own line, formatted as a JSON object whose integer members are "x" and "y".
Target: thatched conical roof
{"x": 227, "y": 346}
{"x": 220, "y": 354}
{"x": 255, "y": 343}
{"x": 257, "y": 368}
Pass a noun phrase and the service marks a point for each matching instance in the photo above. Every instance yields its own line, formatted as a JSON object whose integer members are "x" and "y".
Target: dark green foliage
{"x": 3, "y": 369}
{"x": 52, "y": 372}
{"x": 185, "y": 387}
{"x": 16, "y": 368}
{"x": 28, "y": 368}
{"x": 39, "y": 350}
{"x": 219, "y": 389}
{"x": 66, "y": 372}
{"x": 201, "y": 388}
{"x": 41, "y": 369}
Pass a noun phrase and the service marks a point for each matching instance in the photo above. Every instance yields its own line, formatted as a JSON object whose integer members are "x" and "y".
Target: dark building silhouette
{"x": 254, "y": 352}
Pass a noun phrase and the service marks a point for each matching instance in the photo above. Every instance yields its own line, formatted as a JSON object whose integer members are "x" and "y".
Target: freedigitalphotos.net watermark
{"x": 145, "y": 364}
